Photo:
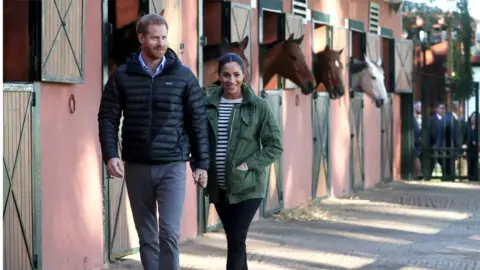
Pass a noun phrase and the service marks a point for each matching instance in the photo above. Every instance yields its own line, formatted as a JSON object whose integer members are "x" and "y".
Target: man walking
{"x": 164, "y": 119}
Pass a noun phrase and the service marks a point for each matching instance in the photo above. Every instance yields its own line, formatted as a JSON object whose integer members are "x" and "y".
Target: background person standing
{"x": 436, "y": 138}
{"x": 472, "y": 149}
{"x": 417, "y": 140}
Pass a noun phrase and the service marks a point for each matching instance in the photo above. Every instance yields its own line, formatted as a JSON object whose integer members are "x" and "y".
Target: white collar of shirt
{"x": 439, "y": 116}
{"x": 146, "y": 68}
{"x": 455, "y": 116}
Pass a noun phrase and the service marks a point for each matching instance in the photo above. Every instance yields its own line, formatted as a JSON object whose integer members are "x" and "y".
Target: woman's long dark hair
{"x": 470, "y": 118}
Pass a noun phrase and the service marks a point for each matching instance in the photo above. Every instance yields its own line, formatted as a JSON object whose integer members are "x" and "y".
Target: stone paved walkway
{"x": 403, "y": 226}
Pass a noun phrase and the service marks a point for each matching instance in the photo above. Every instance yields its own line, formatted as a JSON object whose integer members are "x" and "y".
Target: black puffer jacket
{"x": 162, "y": 116}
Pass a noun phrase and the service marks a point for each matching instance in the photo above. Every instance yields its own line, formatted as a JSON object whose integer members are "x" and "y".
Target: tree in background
{"x": 460, "y": 23}
{"x": 463, "y": 79}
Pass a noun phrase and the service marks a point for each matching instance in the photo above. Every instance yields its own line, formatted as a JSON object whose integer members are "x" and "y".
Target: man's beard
{"x": 154, "y": 54}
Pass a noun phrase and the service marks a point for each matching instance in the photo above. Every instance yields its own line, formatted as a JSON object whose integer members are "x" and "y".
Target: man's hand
{"x": 200, "y": 178}
{"x": 115, "y": 167}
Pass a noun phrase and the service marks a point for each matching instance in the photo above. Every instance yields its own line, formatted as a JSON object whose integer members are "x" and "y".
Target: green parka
{"x": 254, "y": 138}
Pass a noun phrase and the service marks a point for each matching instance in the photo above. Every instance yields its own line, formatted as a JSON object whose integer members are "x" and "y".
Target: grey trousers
{"x": 148, "y": 187}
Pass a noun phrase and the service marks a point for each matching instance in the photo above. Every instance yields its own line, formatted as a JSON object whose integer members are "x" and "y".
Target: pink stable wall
{"x": 397, "y": 120}
{"x": 297, "y": 137}
{"x": 358, "y": 10}
{"x": 393, "y": 21}
{"x": 372, "y": 119}
{"x": 339, "y": 109}
{"x": 254, "y": 61}
{"x": 297, "y": 122}
{"x": 72, "y": 221}
{"x": 188, "y": 36}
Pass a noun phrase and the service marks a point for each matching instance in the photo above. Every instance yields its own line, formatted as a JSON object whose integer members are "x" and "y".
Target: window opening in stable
{"x": 357, "y": 49}
{"x": 122, "y": 17}
{"x": 215, "y": 39}
{"x": 227, "y": 29}
{"x": 21, "y": 21}
{"x": 272, "y": 31}
{"x": 212, "y": 21}
{"x": 388, "y": 62}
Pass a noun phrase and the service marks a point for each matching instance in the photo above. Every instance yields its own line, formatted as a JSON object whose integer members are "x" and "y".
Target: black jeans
{"x": 236, "y": 219}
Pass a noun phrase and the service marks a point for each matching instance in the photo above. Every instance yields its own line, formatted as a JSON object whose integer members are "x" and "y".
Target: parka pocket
{"x": 247, "y": 128}
{"x": 242, "y": 181}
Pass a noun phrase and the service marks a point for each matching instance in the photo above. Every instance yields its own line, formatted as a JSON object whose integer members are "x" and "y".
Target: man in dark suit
{"x": 451, "y": 137}
{"x": 455, "y": 137}
{"x": 436, "y": 138}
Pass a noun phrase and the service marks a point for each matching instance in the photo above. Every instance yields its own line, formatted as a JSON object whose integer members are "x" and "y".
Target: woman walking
{"x": 245, "y": 139}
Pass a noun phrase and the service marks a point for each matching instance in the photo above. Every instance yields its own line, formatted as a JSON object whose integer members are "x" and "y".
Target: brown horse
{"x": 213, "y": 53}
{"x": 285, "y": 58}
{"x": 328, "y": 70}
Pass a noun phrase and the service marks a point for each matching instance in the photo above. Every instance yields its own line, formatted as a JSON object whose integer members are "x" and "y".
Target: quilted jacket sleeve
{"x": 109, "y": 116}
{"x": 196, "y": 124}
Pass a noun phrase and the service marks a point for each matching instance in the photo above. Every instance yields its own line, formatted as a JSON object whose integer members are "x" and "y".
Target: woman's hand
{"x": 242, "y": 167}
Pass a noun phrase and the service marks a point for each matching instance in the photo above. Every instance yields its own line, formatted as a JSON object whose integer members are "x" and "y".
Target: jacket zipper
{"x": 228, "y": 149}
{"x": 151, "y": 114}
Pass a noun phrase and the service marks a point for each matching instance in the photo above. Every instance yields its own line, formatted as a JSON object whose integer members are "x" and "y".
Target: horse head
{"x": 368, "y": 77}
{"x": 328, "y": 70}
{"x": 286, "y": 58}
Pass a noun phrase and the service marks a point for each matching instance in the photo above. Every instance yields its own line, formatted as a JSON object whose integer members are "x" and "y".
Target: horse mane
{"x": 357, "y": 66}
{"x": 214, "y": 51}
{"x": 118, "y": 37}
{"x": 272, "y": 44}
{"x": 319, "y": 53}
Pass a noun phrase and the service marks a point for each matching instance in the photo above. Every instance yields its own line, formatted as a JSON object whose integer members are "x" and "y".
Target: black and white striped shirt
{"x": 225, "y": 109}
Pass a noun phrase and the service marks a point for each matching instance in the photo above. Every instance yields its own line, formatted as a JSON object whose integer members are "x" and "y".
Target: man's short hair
{"x": 149, "y": 19}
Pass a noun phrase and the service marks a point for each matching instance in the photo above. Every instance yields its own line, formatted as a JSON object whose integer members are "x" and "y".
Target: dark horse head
{"x": 328, "y": 70}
